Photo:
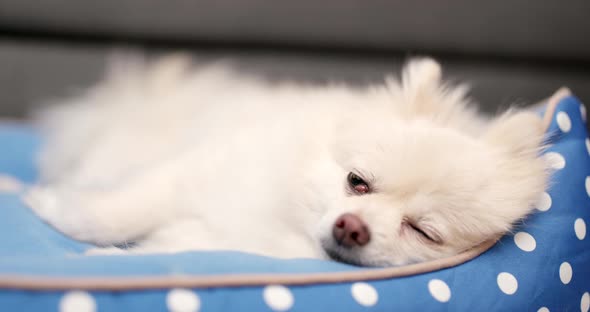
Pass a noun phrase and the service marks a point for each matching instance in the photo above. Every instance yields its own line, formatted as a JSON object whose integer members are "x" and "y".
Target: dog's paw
{"x": 65, "y": 213}
{"x": 43, "y": 202}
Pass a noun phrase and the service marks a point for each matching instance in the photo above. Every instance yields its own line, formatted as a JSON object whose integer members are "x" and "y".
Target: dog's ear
{"x": 421, "y": 74}
{"x": 423, "y": 93}
{"x": 519, "y": 133}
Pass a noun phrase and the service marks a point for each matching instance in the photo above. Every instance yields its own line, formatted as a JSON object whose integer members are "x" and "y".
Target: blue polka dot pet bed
{"x": 544, "y": 265}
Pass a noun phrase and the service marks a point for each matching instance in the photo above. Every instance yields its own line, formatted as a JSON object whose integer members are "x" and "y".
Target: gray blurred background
{"x": 509, "y": 51}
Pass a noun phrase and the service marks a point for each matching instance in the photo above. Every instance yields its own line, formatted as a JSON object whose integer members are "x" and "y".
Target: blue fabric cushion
{"x": 544, "y": 263}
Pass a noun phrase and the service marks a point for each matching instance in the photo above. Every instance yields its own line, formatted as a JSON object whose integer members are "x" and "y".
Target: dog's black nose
{"x": 349, "y": 231}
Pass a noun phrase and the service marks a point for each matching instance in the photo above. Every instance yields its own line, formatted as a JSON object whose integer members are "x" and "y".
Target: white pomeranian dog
{"x": 175, "y": 158}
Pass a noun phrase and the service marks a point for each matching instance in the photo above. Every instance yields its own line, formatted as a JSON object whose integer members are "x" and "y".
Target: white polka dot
{"x": 77, "y": 301}
{"x": 555, "y": 160}
{"x": 439, "y": 290}
{"x": 507, "y": 283}
{"x": 564, "y": 122}
{"x": 565, "y": 273}
{"x": 182, "y": 300}
{"x": 585, "y": 302}
{"x": 364, "y": 294}
{"x": 544, "y": 202}
{"x": 588, "y": 185}
{"x": 278, "y": 298}
{"x": 588, "y": 146}
{"x": 9, "y": 184}
{"x": 580, "y": 228}
{"x": 583, "y": 111}
{"x": 543, "y": 309}
{"x": 525, "y": 241}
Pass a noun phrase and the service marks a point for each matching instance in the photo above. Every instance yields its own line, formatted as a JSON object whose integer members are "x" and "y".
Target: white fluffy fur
{"x": 178, "y": 158}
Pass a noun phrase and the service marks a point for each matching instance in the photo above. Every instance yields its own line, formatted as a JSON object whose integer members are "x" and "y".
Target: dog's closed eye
{"x": 423, "y": 232}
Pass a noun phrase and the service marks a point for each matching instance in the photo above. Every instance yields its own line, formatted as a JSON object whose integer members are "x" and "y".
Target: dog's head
{"x": 425, "y": 179}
